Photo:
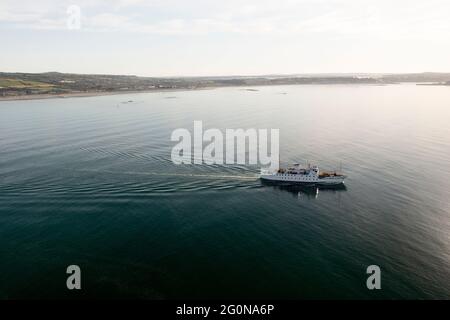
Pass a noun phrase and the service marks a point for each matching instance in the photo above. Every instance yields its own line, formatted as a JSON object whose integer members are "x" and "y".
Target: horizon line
{"x": 235, "y": 75}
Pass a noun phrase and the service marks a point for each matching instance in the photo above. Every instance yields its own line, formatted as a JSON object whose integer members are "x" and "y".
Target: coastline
{"x": 91, "y": 94}
{"x": 109, "y": 93}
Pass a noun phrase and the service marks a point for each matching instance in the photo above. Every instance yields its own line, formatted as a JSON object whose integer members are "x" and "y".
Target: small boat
{"x": 303, "y": 175}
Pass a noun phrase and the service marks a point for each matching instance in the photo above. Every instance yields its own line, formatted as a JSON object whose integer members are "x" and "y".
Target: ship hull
{"x": 304, "y": 180}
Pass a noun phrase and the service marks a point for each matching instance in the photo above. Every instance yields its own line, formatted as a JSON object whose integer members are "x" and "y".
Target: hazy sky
{"x": 227, "y": 37}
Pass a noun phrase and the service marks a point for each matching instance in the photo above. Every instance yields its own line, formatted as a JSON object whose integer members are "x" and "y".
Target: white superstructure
{"x": 307, "y": 175}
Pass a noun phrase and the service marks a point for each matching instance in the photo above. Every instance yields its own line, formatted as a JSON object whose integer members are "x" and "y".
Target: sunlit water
{"x": 89, "y": 181}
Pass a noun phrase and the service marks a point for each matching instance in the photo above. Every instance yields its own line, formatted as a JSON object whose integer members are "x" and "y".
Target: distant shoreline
{"x": 110, "y": 93}
{"x": 159, "y": 90}
{"x": 52, "y": 85}
{"x": 90, "y": 94}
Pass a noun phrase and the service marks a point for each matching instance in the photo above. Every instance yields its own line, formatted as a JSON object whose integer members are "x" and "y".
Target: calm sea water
{"x": 89, "y": 181}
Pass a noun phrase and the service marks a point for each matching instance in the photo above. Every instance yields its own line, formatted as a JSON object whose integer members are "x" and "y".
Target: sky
{"x": 232, "y": 37}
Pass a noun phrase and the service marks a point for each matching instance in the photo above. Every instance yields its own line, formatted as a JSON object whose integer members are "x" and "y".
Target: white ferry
{"x": 304, "y": 175}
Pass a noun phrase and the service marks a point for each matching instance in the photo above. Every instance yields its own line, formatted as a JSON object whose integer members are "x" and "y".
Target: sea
{"x": 89, "y": 181}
